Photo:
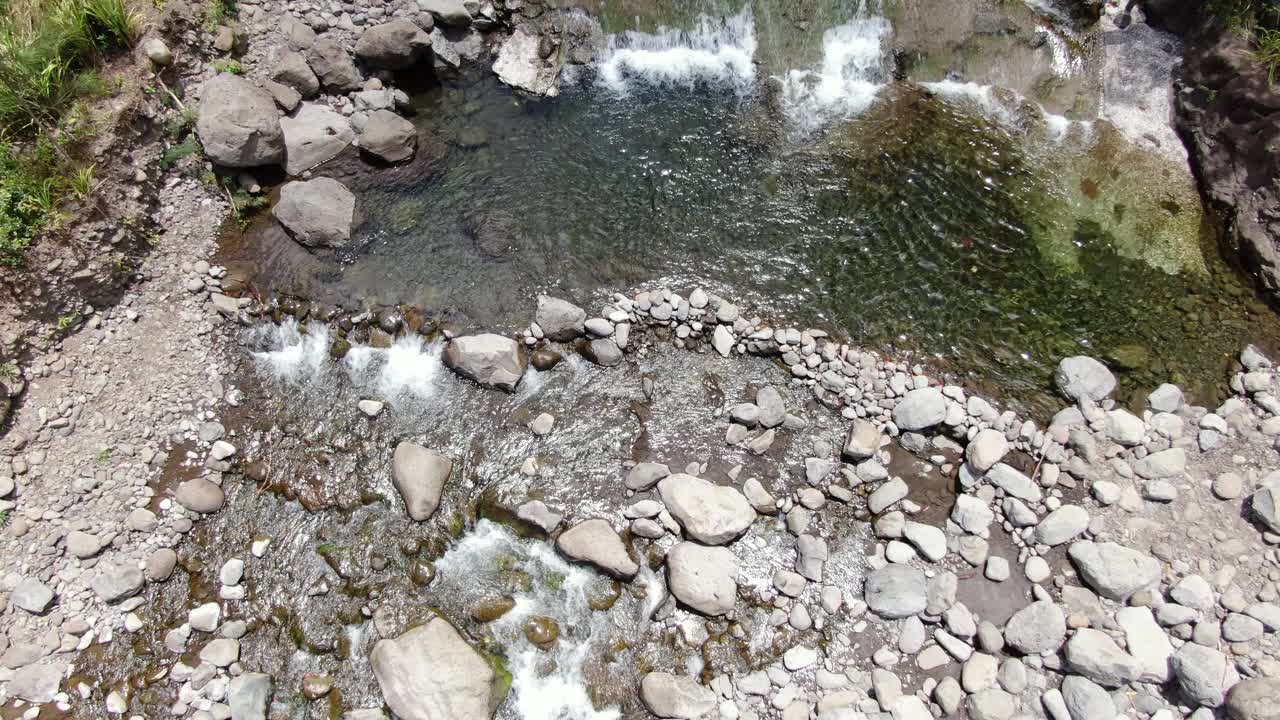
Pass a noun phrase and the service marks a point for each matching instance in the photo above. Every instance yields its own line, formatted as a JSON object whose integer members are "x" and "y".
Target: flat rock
{"x": 895, "y": 591}
{"x": 645, "y": 475}
{"x": 36, "y": 683}
{"x": 432, "y": 673}
{"x": 596, "y": 542}
{"x": 31, "y": 595}
{"x": 388, "y": 136}
{"x": 1255, "y": 699}
{"x": 1093, "y": 654}
{"x": 1147, "y": 642}
{"x": 312, "y": 135}
{"x": 1086, "y": 700}
{"x": 709, "y": 513}
{"x": 316, "y": 213}
{"x": 115, "y": 582}
{"x": 703, "y": 578}
{"x": 248, "y": 695}
{"x": 1062, "y": 525}
{"x": 419, "y": 475}
{"x": 1112, "y": 570}
{"x": 1164, "y": 464}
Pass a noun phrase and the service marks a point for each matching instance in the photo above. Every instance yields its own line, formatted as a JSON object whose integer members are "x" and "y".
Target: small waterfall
{"x": 847, "y": 81}
{"x": 557, "y": 589}
{"x": 717, "y": 51}
{"x": 290, "y": 355}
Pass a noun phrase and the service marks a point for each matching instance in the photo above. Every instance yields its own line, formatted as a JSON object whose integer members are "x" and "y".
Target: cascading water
{"x": 848, "y": 80}
{"x": 717, "y": 51}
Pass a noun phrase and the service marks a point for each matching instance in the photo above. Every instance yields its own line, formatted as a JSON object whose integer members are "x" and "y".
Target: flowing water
{"x": 924, "y": 175}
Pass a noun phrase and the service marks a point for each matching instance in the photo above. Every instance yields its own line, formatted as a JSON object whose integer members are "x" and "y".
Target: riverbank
{"x": 227, "y": 504}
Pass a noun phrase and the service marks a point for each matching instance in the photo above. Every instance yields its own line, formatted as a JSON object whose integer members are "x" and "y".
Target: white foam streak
{"x": 1004, "y": 110}
{"x": 291, "y": 355}
{"x": 848, "y": 80}
{"x": 719, "y": 51}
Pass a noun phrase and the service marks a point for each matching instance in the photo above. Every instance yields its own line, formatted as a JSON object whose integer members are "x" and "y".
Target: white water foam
{"x": 719, "y": 51}
{"x": 292, "y": 356}
{"x": 848, "y": 80}
{"x": 537, "y": 694}
{"x": 1004, "y": 111}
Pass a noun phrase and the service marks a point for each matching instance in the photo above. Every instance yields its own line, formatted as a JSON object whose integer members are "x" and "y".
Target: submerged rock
{"x": 432, "y": 673}
{"x": 238, "y": 124}
{"x": 488, "y": 359}
{"x": 419, "y": 476}
{"x": 317, "y": 213}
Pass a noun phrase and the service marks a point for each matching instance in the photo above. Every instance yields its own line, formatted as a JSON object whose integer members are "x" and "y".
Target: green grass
{"x": 1267, "y": 50}
{"x": 104, "y": 456}
{"x": 4, "y": 518}
{"x": 227, "y": 65}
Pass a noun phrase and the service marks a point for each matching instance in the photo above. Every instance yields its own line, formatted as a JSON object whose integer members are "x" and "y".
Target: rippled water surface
{"x": 975, "y": 209}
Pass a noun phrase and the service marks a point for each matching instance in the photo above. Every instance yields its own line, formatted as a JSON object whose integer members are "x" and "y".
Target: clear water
{"x": 783, "y": 165}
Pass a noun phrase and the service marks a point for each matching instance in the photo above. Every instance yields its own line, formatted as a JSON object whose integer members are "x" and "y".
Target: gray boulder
{"x": 704, "y": 578}
{"x": 560, "y": 320}
{"x": 388, "y": 136}
{"x": 292, "y": 70}
{"x": 312, "y": 135}
{"x": 520, "y": 64}
{"x": 200, "y": 495}
{"x": 1265, "y": 502}
{"x": 920, "y": 408}
{"x": 1062, "y": 525}
{"x": 238, "y": 124}
{"x": 31, "y": 595}
{"x": 1112, "y": 570}
{"x": 419, "y": 476}
{"x": 449, "y": 12}
{"x": 333, "y": 66}
{"x": 36, "y": 683}
{"x": 114, "y": 583}
{"x": 645, "y": 475}
{"x": 1086, "y": 700}
{"x": 1203, "y": 674}
{"x": 1037, "y": 628}
{"x": 488, "y": 359}
{"x": 1163, "y": 464}
{"x": 862, "y": 441}
{"x": 1255, "y": 699}
{"x": 1083, "y": 377}
{"x": 895, "y": 591}
{"x": 709, "y": 513}
{"x": 394, "y": 45}
{"x": 773, "y": 412}
{"x": 596, "y": 542}
{"x": 432, "y": 673}
{"x": 317, "y": 213}
{"x": 248, "y": 695}
{"x": 1093, "y": 654}
{"x": 671, "y": 696}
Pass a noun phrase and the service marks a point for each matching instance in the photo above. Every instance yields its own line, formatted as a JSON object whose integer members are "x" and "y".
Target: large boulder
{"x": 1255, "y": 699}
{"x": 432, "y": 673}
{"x": 333, "y": 66}
{"x": 704, "y": 578}
{"x": 488, "y": 359}
{"x": 895, "y": 591}
{"x": 312, "y": 135}
{"x": 709, "y": 513}
{"x": 388, "y": 137}
{"x": 1037, "y": 628}
{"x": 560, "y": 320}
{"x": 200, "y": 495}
{"x": 520, "y": 64}
{"x": 419, "y": 476}
{"x": 596, "y": 542}
{"x": 394, "y": 45}
{"x": 317, "y": 213}
{"x": 672, "y": 696}
{"x": 920, "y": 408}
{"x": 1204, "y": 675}
{"x": 1114, "y": 571}
{"x": 238, "y": 124}
{"x": 292, "y": 70}
{"x": 449, "y": 12}
{"x": 1082, "y": 377}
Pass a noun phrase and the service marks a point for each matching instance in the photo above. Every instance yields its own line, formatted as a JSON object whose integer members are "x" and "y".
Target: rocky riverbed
{"x": 221, "y": 503}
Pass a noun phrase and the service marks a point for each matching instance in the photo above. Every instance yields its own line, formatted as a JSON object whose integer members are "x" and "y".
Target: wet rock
{"x": 419, "y": 476}
{"x": 370, "y": 408}
{"x": 560, "y": 320}
{"x": 1255, "y": 699}
{"x": 604, "y": 352}
{"x": 388, "y": 136}
{"x": 422, "y": 572}
{"x": 292, "y": 70}
{"x": 317, "y": 213}
{"x": 114, "y": 583}
{"x": 595, "y": 542}
{"x": 432, "y": 673}
{"x": 920, "y": 409}
{"x": 1037, "y": 628}
{"x": 645, "y": 475}
{"x": 542, "y": 631}
{"x": 709, "y": 513}
{"x": 31, "y": 595}
{"x": 1093, "y": 654}
{"x": 671, "y": 696}
{"x": 313, "y": 135}
{"x": 537, "y": 513}
{"x": 703, "y": 578}
{"x": 545, "y": 359}
{"x": 1112, "y": 570}
{"x": 248, "y": 695}
{"x": 316, "y": 685}
{"x": 488, "y": 359}
{"x": 333, "y": 66}
{"x": 200, "y": 495}
{"x": 238, "y": 124}
{"x": 895, "y": 591}
{"x": 393, "y": 45}
{"x": 491, "y": 609}
{"x": 1084, "y": 377}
